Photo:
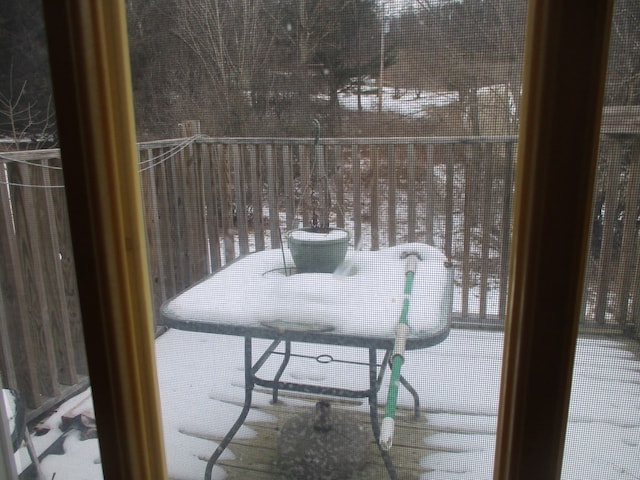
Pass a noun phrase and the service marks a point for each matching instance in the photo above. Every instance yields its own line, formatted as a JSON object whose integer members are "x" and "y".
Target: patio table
{"x": 259, "y": 296}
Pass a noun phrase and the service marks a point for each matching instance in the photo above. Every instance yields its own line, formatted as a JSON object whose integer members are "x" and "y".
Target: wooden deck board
{"x": 256, "y": 458}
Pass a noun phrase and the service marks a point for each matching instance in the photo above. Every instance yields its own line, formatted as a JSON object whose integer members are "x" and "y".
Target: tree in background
{"x": 623, "y": 84}
{"x": 477, "y": 43}
{"x": 228, "y": 41}
{"x": 335, "y": 40}
{"x": 26, "y": 108}
{"x": 258, "y": 67}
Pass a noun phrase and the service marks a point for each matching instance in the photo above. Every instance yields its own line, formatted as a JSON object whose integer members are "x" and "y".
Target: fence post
{"x": 151, "y": 214}
{"x": 190, "y": 128}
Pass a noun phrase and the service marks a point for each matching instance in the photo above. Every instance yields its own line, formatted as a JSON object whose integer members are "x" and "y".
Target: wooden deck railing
{"x": 209, "y": 200}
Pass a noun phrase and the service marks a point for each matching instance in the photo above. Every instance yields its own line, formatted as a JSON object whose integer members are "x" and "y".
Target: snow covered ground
{"x": 405, "y": 102}
{"x": 201, "y": 380}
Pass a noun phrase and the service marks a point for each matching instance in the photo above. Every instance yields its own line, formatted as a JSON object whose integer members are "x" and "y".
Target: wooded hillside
{"x": 269, "y": 67}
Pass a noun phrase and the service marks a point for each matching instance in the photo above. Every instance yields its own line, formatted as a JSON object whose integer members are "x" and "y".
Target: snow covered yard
{"x": 201, "y": 383}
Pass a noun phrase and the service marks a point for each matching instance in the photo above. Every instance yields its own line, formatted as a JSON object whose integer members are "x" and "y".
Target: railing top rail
{"x": 47, "y": 154}
{"x": 29, "y": 155}
{"x": 168, "y": 142}
{"x": 359, "y": 140}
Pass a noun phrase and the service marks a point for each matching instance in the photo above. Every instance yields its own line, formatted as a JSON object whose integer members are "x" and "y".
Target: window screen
{"x": 328, "y": 190}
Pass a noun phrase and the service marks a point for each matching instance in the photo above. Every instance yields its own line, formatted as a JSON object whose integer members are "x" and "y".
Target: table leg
{"x": 285, "y": 362}
{"x": 414, "y": 394}
{"x": 248, "y": 388}
{"x": 405, "y": 383}
{"x": 374, "y": 386}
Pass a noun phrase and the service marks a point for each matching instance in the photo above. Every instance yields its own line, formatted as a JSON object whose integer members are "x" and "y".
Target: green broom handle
{"x": 397, "y": 358}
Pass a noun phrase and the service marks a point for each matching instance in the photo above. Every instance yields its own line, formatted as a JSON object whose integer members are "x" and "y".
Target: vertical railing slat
{"x": 14, "y": 291}
{"x": 448, "y": 208}
{"x": 226, "y": 214}
{"x": 164, "y": 189}
{"x": 505, "y": 244}
{"x": 628, "y": 255}
{"x": 323, "y": 184}
{"x": 487, "y": 227}
{"x": 430, "y": 195}
{"x": 412, "y": 193}
{"x": 152, "y": 219}
{"x": 306, "y": 184}
{"x": 256, "y": 197}
{"x": 175, "y": 178}
{"x": 56, "y": 303}
{"x": 289, "y": 199}
{"x": 37, "y": 316}
{"x": 339, "y": 181}
{"x": 241, "y": 207}
{"x": 195, "y": 209}
{"x": 635, "y": 306}
{"x": 7, "y": 365}
{"x": 211, "y": 190}
{"x": 274, "y": 218}
{"x": 68, "y": 271}
{"x": 374, "y": 199}
{"x": 466, "y": 236}
{"x": 392, "y": 180}
{"x": 357, "y": 196}
{"x": 606, "y": 249}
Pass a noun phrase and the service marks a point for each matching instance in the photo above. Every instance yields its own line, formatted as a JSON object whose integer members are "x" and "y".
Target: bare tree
{"x": 480, "y": 43}
{"x": 26, "y": 107}
{"x": 231, "y": 45}
{"x": 23, "y": 122}
{"x": 333, "y": 40}
{"x": 623, "y": 83}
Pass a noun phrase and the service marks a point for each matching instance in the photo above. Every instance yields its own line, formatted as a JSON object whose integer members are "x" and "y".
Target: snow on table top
{"x": 318, "y": 236}
{"x": 367, "y": 302}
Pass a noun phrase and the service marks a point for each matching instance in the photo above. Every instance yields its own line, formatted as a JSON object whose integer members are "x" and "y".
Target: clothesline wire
{"x": 171, "y": 152}
{"x": 178, "y": 148}
{"x": 26, "y": 185}
{"x": 27, "y": 162}
{"x": 164, "y": 156}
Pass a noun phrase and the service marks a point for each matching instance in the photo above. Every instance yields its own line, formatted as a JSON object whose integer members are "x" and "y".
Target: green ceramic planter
{"x": 318, "y": 252}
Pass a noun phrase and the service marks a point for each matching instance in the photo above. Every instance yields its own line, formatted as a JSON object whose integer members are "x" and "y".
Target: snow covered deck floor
{"x": 201, "y": 383}
{"x": 256, "y": 457}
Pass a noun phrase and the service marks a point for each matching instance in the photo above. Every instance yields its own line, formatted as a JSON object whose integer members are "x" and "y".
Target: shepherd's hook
{"x": 316, "y": 130}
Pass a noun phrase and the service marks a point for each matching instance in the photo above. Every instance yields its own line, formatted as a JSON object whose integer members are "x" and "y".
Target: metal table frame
{"x": 278, "y": 335}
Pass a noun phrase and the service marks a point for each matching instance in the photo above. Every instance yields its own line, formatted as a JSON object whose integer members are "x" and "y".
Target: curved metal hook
{"x": 316, "y": 130}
